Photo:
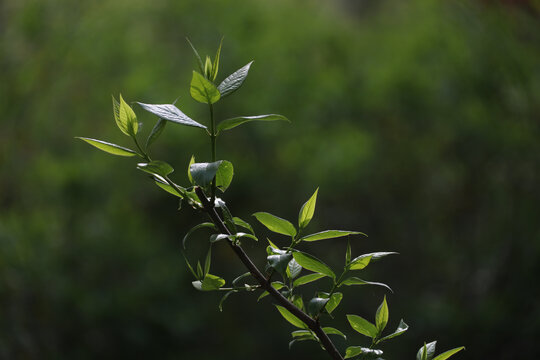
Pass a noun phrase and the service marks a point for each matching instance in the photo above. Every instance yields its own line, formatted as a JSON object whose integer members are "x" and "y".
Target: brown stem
{"x": 265, "y": 284}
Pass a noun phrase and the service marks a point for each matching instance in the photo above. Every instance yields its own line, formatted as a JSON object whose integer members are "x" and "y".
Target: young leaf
{"x": 209, "y": 283}
{"x": 237, "y": 280}
{"x": 276, "y": 285}
{"x": 168, "y": 188}
{"x": 218, "y": 237}
{"x": 191, "y": 162}
{"x": 291, "y": 318}
{"x": 348, "y": 253}
{"x": 334, "y": 301}
{"x": 208, "y": 260}
{"x": 237, "y": 121}
{"x": 334, "y": 331}
{"x": 127, "y": 120}
{"x": 310, "y": 262}
{"x": 215, "y": 65}
{"x": 400, "y": 330}
{"x": 171, "y": 113}
{"x": 307, "y": 279}
{"x": 279, "y": 262}
{"x": 294, "y": 269}
{"x": 276, "y": 224}
{"x": 203, "y": 90}
{"x": 381, "y": 316}
{"x": 109, "y": 147}
{"x": 353, "y": 351}
{"x": 156, "y": 131}
{"x": 227, "y": 294}
{"x": 224, "y": 175}
{"x": 307, "y": 211}
{"x": 445, "y": 355}
{"x": 208, "y": 68}
{"x": 357, "y": 281}
{"x": 197, "y": 56}
{"x": 156, "y": 167}
{"x": 203, "y": 173}
{"x": 300, "y": 333}
{"x": 234, "y": 81}
{"x": 362, "y": 326}
{"x": 197, "y": 227}
{"x": 329, "y": 234}
{"x": 242, "y": 223}
{"x": 360, "y": 262}
{"x": 241, "y": 235}
{"x": 189, "y": 266}
{"x": 427, "y": 351}
{"x": 315, "y": 305}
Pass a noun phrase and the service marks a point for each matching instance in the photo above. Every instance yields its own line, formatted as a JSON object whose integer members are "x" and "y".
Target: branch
{"x": 265, "y": 284}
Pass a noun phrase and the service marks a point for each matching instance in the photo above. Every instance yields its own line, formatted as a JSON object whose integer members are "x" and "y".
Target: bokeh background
{"x": 417, "y": 119}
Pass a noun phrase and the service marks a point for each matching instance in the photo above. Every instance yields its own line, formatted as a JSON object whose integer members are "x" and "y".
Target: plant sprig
{"x": 208, "y": 181}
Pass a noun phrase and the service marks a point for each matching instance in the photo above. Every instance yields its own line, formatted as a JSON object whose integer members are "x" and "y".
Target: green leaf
{"x": 242, "y": 223}
{"x": 353, "y": 351}
{"x": 445, "y": 355}
{"x": 357, "y": 281}
{"x": 156, "y": 167}
{"x": 279, "y": 262}
{"x": 208, "y": 260}
{"x": 310, "y": 262}
{"x": 348, "y": 253}
{"x": 168, "y": 188}
{"x": 227, "y": 294}
{"x": 209, "y": 283}
{"x": 208, "y": 68}
{"x": 315, "y": 305}
{"x": 203, "y": 90}
{"x": 197, "y": 56}
{"x": 224, "y": 175}
{"x": 127, "y": 120}
{"x": 329, "y": 234}
{"x": 298, "y": 302}
{"x": 294, "y": 269}
{"x": 302, "y": 338}
{"x": 276, "y": 285}
{"x": 191, "y": 162}
{"x": 333, "y": 302}
{"x": 362, "y": 326}
{"x": 109, "y": 147}
{"x": 381, "y": 316}
{"x": 241, "y": 235}
{"x": 156, "y": 132}
{"x": 400, "y": 330}
{"x": 237, "y": 121}
{"x": 218, "y": 237}
{"x": 197, "y": 227}
{"x": 237, "y": 280}
{"x": 170, "y": 112}
{"x": 307, "y": 211}
{"x": 203, "y": 173}
{"x": 334, "y": 331}
{"x": 189, "y": 266}
{"x": 360, "y": 262}
{"x": 234, "y": 81}
{"x": 307, "y": 279}
{"x": 276, "y": 224}
{"x": 427, "y": 351}
{"x": 215, "y": 65}
{"x": 291, "y": 318}
{"x": 300, "y": 333}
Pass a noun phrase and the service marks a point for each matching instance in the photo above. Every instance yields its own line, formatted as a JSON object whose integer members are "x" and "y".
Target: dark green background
{"x": 418, "y": 120}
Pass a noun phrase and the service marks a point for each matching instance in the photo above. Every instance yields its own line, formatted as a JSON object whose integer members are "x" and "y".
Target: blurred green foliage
{"x": 417, "y": 120}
